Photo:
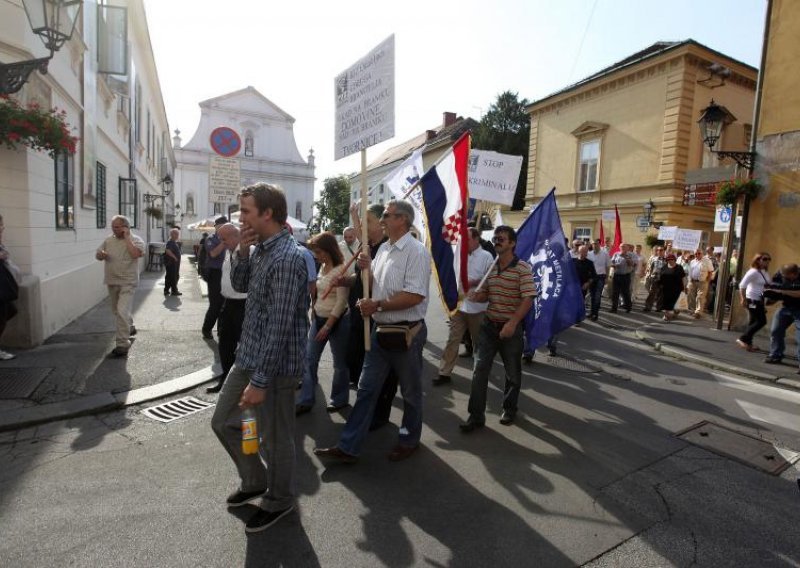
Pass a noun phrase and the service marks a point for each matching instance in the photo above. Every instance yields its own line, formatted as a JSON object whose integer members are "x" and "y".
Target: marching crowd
{"x": 263, "y": 284}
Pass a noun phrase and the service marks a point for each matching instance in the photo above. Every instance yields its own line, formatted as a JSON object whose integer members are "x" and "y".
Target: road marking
{"x": 769, "y": 391}
{"x": 768, "y": 415}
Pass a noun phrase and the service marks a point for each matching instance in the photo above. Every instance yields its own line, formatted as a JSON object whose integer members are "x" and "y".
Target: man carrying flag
{"x": 510, "y": 291}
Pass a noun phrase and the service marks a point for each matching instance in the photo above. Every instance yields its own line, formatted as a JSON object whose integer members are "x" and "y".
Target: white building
{"x": 57, "y": 212}
{"x": 248, "y": 128}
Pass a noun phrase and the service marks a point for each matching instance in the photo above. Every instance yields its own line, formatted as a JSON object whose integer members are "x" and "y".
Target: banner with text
{"x": 609, "y": 215}
{"x": 686, "y": 239}
{"x": 493, "y": 176}
{"x": 667, "y": 233}
{"x": 223, "y": 180}
{"x": 365, "y": 101}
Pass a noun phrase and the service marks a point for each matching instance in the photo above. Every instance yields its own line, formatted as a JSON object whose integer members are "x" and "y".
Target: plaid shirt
{"x": 273, "y": 342}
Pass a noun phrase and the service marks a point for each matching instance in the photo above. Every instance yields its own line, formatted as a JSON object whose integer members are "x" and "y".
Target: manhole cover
{"x": 566, "y": 363}
{"x": 169, "y": 411}
{"x": 740, "y": 447}
{"x": 17, "y": 382}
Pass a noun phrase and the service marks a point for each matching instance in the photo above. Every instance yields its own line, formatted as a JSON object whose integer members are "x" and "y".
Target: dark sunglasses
{"x": 496, "y": 240}
{"x": 767, "y": 258}
{"x": 386, "y": 215}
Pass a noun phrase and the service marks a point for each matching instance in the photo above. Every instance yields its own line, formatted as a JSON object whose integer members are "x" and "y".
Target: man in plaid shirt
{"x": 270, "y": 357}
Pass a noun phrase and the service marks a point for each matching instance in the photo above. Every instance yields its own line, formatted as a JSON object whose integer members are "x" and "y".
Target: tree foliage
{"x": 505, "y": 128}
{"x": 332, "y": 209}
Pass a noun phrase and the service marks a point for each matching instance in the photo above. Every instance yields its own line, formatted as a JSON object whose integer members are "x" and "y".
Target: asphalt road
{"x": 591, "y": 474}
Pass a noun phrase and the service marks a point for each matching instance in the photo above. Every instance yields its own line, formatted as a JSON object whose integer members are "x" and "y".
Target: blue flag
{"x": 559, "y": 301}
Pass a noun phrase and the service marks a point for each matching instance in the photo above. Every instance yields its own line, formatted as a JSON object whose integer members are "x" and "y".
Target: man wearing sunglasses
{"x": 509, "y": 291}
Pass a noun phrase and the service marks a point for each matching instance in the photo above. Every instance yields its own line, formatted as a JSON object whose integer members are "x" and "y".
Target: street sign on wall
{"x": 223, "y": 179}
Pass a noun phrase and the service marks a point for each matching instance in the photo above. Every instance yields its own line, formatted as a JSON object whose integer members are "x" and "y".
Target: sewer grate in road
{"x": 16, "y": 382}
{"x": 175, "y": 409}
{"x": 741, "y": 447}
{"x": 566, "y": 363}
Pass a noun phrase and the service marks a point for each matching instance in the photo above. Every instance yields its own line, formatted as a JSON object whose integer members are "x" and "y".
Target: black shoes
{"x": 118, "y": 353}
{"x": 265, "y": 519}
{"x": 773, "y": 360}
{"x": 527, "y": 358}
{"x": 466, "y": 353}
{"x": 132, "y": 331}
{"x": 593, "y": 317}
{"x": 239, "y": 497}
{"x": 471, "y": 424}
{"x": 207, "y": 335}
{"x": 215, "y": 389}
{"x": 507, "y": 418}
{"x": 302, "y": 409}
{"x": 441, "y": 380}
{"x": 335, "y": 454}
{"x": 336, "y": 408}
{"x": 553, "y": 353}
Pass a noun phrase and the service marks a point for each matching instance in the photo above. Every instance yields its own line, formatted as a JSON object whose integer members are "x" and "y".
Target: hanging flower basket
{"x": 154, "y": 212}
{"x": 34, "y": 127}
{"x": 730, "y": 191}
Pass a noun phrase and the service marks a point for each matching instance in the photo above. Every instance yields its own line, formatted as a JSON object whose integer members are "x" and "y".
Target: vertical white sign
{"x": 223, "y": 179}
{"x": 365, "y": 101}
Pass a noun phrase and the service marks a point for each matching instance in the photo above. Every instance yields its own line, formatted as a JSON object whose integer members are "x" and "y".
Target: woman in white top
{"x": 328, "y": 324}
{"x": 751, "y": 295}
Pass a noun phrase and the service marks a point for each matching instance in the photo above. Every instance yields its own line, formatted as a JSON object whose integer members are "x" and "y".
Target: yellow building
{"x": 773, "y": 217}
{"x": 628, "y": 135}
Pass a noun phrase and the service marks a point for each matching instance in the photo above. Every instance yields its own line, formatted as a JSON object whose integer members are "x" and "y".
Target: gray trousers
{"x": 273, "y": 467}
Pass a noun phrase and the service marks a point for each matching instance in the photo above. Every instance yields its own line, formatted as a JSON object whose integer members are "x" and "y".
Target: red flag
{"x": 617, "y": 234}
{"x": 602, "y": 232}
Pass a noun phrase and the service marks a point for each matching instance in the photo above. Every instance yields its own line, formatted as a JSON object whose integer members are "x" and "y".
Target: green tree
{"x": 505, "y": 128}
{"x": 332, "y": 209}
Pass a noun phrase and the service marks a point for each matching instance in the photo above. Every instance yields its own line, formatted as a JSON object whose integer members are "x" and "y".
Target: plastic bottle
{"x": 249, "y": 432}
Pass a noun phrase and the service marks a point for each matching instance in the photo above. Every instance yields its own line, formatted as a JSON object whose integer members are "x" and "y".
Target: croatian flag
{"x": 559, "y": 300}
{"x": 445, "y": 198}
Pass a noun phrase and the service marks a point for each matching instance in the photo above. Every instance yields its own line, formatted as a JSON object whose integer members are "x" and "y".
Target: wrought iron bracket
{"x": 744, "y": 159}
{"x": 14, "y": 75}
{"x": 150, "y": 197}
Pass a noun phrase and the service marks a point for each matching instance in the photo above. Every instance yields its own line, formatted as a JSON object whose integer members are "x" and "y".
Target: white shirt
{"x": 225, "y": 285}
{"x": 478, "y": 263}
{"x": 601, "y": 260}
{"x": 348, "y": 253}
{"x": 402, "y": 266}
{"x": 753, "y": 283}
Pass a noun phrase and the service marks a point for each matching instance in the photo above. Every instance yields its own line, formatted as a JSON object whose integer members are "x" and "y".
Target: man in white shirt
{"x": 231, "y": 315}
{"x": 470, "y": 314}
{"x": 700, "y": 271}
{"x": 349, "y": 247}
{"x": 599, "y": 256}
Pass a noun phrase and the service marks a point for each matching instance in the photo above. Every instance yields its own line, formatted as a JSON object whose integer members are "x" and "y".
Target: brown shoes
{"x": 399, "y": 453}
{"x": 336, "y": 454}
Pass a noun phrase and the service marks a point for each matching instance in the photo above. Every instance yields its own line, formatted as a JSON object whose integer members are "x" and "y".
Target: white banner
{"x": 609, "y": 215}
{"x": 492, "y": 176}
{"x": 403, "y": 177}
{"x": 365, "y": 101}
{"x": 223, "y": 180}
{"x": 667, "y": 233}
{"x": 687, "y": 239}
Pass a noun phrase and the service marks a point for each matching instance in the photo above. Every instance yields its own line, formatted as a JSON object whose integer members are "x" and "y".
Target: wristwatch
{"x": 380, "y": 308}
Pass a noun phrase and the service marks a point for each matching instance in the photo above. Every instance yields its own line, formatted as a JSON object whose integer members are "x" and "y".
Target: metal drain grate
{"x": 740, "y": 447}
{"x": 175, "y": 409}
{"x": 18, "y": 382}
{"x": 565, "y": 363}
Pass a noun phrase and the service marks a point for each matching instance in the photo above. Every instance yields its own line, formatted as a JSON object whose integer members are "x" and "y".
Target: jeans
{"x": 596, "y": 292}
{"x": 215, "y": 299}
{"x": 489, "y": 343}
{"x": 338, "y": 338}
{"x": 377, "y": 363}
{"x": 621, "y": 286}
{"x": 758, "y": 319}
{"x": 230, "y": 331}
{"x": 781, "y": 321}
{"x": 171, "y": 277}
{"x": 273, "y": 466}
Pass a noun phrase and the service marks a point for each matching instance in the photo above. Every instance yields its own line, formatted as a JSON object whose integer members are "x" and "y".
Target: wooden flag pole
{"x": 365, "y": 274}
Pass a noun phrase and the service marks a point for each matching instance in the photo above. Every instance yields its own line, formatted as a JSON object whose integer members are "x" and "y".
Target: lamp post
{"x": 54, "y": 22}
{"x": 149, "y": 198}
{"x": 713, "y": 119}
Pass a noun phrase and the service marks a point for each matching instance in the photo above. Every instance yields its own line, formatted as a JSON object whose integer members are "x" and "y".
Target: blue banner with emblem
{"x": 559, "y": 301}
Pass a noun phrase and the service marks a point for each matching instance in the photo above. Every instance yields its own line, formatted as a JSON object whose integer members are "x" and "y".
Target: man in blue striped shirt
{"x": 270, "y": 357}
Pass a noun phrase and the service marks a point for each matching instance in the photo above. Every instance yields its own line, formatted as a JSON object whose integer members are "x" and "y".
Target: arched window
{"x": 190, "y": 205}
{"x": 248, "y": 145}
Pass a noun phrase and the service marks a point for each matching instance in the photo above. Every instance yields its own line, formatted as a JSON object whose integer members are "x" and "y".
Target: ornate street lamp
{"x": 713, "y": 119}
{"x": 649, "y": 207}
{"x": 54, "y": 22}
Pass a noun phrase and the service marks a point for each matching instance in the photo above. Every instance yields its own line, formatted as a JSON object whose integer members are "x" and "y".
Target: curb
{"x": 678, "y": 353}
{"x": 100, "y": 402}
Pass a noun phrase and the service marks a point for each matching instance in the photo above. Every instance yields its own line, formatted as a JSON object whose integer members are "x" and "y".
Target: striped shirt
{"x": 508, "y": 288}
{"x": 273, "y": 342}
{"x": 402, "y": 266}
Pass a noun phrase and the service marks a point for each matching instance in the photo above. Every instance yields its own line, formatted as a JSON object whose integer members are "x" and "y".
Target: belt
{"x": 410, "y": 324}
{"x": 693, "y": 280}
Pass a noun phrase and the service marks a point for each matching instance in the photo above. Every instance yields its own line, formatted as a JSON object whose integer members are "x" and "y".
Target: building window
{"x": 298, "y": 210}
{"x": 190, "y": 205}
{"x": 582, "y": 233}
{"x": 587, "y": 170}
{"x": 748, "y": 135}
{"x": 65, "y": 191}
{"x": 248, "y": 145}
{"x": 129, "y": 200}
{"x": 219, "y": 208}
{"x": 100, "y": 187}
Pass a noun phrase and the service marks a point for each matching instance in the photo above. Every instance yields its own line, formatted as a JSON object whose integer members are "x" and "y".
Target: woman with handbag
{"x": 673, "y": 282}
{"x": 9, "y": 290}
{"x": 328, "y": 324}
{"x": 751, "y": 296}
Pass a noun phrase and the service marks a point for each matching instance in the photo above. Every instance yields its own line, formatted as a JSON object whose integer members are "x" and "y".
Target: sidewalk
{"x": 70, "y": 374}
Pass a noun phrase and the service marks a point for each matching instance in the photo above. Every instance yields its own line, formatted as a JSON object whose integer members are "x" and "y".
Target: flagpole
{"x": 485, "y": 276}
{"x": 436, "y": 163}
{"x": 365, "y": 273}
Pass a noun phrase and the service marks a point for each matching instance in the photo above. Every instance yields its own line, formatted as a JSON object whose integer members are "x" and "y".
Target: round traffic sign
{"x": 225, "y": 141}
